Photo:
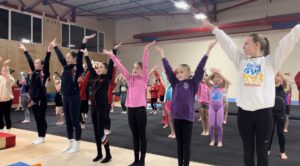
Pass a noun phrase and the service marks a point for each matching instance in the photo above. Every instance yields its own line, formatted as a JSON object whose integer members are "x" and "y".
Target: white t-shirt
{"x": 256, "y": 85}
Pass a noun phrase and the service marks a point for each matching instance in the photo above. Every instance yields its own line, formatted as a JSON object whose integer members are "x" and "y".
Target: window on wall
{"x": 100, "y": 41}
{"x": 72, "y": 38}
{"x": 37, "y": 30}
{"x": 77, "y": 34}
{"x": 3, "y": 24}
{"x": 92, "y": 44}
{"x": 20, "y": 26}
{"x": 65, "y": 35}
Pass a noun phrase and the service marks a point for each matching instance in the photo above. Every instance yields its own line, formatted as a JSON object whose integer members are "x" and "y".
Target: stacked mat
{"x": 7, "y": 140}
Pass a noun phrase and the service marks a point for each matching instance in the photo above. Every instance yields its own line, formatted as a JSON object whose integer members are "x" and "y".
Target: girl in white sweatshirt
{"x": 256, "y": 85}
{"x": 6, "y": 95}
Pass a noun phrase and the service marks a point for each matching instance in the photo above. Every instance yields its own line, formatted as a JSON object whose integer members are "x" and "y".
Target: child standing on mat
{"x": 216, "y": 110}
{"x": 256, "y": 85}
{"x": 203, "y": 99}
{"x": 279, "y": 115}
{"x": 73, "y": 68}
{"x": 136, "y": 103}
{"x": 58, "y": 101}
{"x": 183, "y": 111}
{"x": 6, "y": 95}
{"x": 38, "y": 91}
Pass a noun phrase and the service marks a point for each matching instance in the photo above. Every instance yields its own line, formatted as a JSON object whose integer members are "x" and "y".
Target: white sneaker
{"x": 75, "y": 148}
{"x": 123, "y": 112}
{"x": 40, "y": 141}
{"x": 69, "y": 147}
{"x": 36, "y": 140}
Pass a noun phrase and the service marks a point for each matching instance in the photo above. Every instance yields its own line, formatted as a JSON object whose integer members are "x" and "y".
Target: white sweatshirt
{"x": 256, "y": 85}
{"x": 6, "y": 83}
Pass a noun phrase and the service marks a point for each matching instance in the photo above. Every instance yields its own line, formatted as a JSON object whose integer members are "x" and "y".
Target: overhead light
{"x": 25, "y": 40}
{"x": 200, "y": 16}
{"x": 182, "y": 5}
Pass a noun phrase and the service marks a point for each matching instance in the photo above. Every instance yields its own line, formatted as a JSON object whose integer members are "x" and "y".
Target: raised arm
{"x": 145, "y": 61}
{"x": 119, "y": 65}
{"x": 89, "y": 63}
{"x": 233, "y": 52}
{"x": 158, "y": 77}
{"x": 47, "y": 62}
{"x": 168, "y": 69}
{"x": 200, "y": 68}
{"x": 285, "y": 47}
{"x": 28, "y": 56}
{"x": 5, "y": 72}
{"x": 59, "y": 54}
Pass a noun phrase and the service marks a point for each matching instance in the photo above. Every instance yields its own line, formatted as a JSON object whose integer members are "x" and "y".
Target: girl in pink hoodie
{"x": 135, "y": 102}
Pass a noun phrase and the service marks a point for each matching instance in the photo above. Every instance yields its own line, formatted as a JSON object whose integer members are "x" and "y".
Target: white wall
{"x": 191, "y": 50}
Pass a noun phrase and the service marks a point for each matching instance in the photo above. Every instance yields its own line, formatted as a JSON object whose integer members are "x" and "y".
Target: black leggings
{"x": 5, "y": 108}
{"x": 137, "y": 119}
{"x": 97, "y": 115}
{"x": 279, "y": 121}
{"x": 153, "y": 103}
{"x": 255, "y": 127}
{"x": 72, "y": 113}
{"x": 107, "y": 121}
{"x": 39, "y": 108}
{"x": 183, "y": 132}
{"x": 84, "y": 108}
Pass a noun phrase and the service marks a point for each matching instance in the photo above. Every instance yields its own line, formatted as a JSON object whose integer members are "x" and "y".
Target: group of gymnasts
{"x": 259, "y": 100}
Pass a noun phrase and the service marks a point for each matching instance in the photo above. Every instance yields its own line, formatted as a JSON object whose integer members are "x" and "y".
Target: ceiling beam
{"x": 113, "y": 11}
{"x": 234, "y": 6}
{"x": 33, "y": 5}
{"x": 106, "y": 7}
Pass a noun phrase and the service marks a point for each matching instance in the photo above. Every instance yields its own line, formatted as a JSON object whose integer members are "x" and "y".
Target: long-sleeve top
{"x": 162, "y": 88}
{"x": 137, "y": 85}
{"x": 112, "y": 83}
{"x": 154, "y": 89}
{"x": 256, "y": 75}
{"x": 24, "y": 84}
{"x": 280, "y": 103}
{"x": 38, "y": 78}
{"x": 70, "y": 74}
{"x": 203, "y": 93}
{"x": 184, "y": 91}
{"x": 83, "y": 86}
{"x": 6, "y": 83}
{"x": 100, "y": 83}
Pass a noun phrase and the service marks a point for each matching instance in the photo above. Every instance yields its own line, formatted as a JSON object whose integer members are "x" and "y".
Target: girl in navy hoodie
{"x": 70, "y": 90}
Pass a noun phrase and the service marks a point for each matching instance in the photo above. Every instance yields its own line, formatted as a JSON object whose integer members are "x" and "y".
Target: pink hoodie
{"x": 203, "y": 93}
{"x": 137, "y": 85}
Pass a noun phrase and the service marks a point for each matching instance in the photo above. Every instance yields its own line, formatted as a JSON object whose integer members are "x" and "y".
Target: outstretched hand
{"x": 107, "y": 52}
{"x": 86, "y": 38}
{"x": 150, "y": 44}
{"x": 22, "y": 47}
{"x": 85, "y": 52}
{"x": 160, "y": 50}
{"x": 53, "y": 43}
{"x": 6, "y": 62}
{"x": 211, "y": 46}
{"x": 206, "y": 24}
{"x": 118, "y": 45}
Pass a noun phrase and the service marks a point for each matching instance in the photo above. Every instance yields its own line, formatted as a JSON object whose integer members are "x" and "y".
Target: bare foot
{"x": 203, "y": 133}
{"x": 220, "y": 144}
{"x": 269, "y": 152}
{"x": 212, "y": 143}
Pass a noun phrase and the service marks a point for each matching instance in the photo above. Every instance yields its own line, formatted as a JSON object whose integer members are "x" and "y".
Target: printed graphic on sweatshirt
{"x": 186, "y": 85}
{"x": 252, "y": 75}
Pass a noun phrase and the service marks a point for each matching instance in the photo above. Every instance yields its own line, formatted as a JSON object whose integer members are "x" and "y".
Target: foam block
{"x": 19, "y": 164}
{"x": 7, "y": 140}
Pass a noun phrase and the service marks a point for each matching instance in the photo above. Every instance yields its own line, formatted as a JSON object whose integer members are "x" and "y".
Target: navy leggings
{"x": 72, "y": 115}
